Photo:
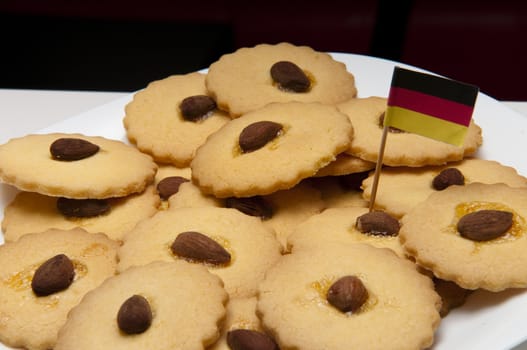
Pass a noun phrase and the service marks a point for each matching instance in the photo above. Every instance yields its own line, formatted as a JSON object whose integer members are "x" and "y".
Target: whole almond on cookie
{"x": 199, "y": 247}
{"x": 484, "y": 225}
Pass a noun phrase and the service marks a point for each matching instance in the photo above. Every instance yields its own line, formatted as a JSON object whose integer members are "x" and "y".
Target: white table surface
{"x": 27, "y": 111}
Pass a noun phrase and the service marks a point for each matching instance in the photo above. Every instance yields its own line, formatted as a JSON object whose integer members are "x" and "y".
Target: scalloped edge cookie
{"x": 435, "y": 244}
{"x": 312, "y": 136}
{"x": 116, "y": 170}
{"x": 241, "y": 81}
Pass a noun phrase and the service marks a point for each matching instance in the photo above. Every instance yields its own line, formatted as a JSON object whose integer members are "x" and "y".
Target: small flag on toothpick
{"x": 428, "y": 105}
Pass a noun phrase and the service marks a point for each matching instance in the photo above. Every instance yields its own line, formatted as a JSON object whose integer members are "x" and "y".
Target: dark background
{"x": 123, "y": 45}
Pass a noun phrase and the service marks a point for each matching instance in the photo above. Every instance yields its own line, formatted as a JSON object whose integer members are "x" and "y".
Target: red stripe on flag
{"x": 431, "y": 105}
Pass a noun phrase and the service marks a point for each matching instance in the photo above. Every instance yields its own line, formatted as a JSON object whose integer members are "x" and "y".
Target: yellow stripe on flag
{"x": 425, "y": 125}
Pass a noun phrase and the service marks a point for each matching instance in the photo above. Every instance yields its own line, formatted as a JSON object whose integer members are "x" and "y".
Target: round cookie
{"x": 293, "y": 306}
{"x": 33, "y": 212}
{"x": 402, "y": 148}
{"x": 116, "y": 170}
{"x": 241, "y": 235}
{"x": 435, "y": 243}
{"x": 154, "y": 121}
{"x": 241, "y": 81}
{"x": 338, "y": 225}
{"x": 32, "y": 321}
{"x": 312, "y": 135}
{"x": 401, "y": 188}
{"x": 186, "y": 302}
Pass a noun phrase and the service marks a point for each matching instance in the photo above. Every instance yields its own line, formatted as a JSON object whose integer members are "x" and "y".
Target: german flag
{"x": 430, "y": 106}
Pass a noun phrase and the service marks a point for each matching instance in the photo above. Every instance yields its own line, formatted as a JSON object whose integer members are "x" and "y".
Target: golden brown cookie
{"x": 402, "y": 148}
{"x": 35, "y": 300}
{"x": 171, "y": 117}
{"x": 161, "y": 305}
{"x": 301, "y": 304}
{"x": 228, "y": 248}
{"x": 339, "y": 225}
{"x": 33, "y": 212}
{"x": 270, "y": 149}
{"x": 469, "y": 234}
{"x": 401, "y": 188}
{"x": 77, "y": 166}
{"x": 242, "y": 81}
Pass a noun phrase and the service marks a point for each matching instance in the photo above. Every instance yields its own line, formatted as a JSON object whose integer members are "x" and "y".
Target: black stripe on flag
{"x": 436, "y": 86}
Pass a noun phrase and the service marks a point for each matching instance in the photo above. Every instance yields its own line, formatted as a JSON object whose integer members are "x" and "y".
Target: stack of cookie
{"x": 480, "y": 223}
{"x": 238, "y": 219}
{"x": 73, "y": 180}
{"x": 276, "y": 159}
{"x": 77, "y": 195}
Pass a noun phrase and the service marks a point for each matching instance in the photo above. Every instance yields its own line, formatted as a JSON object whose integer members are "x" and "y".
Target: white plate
{"x": 488, "y": 320}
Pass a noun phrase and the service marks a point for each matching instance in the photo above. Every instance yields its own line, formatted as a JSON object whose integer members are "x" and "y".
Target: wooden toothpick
{"x": 378, "y": 167}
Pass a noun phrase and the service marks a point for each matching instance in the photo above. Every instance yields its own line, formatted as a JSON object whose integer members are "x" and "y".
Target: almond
{"x": 135, "y": 315}
{"x": 257, "y": 135}
{"x": 54, "y": 275}
{"x": 169, "y": 186}
{"x": 448, "y": 177}
{"x": 484, "y": 225}
{"x": 246, "y": 339}
{"x": 194, "y": 108}
{"x": 252, "y": 206}
{"x": 82, "y": 208}
{"x": 378, "y": 223}
{"x": 196, "y": 246}
{"x": 347, "y": 294}
{"x": 290, "y": 77}
{"x": 68, "y": 149}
